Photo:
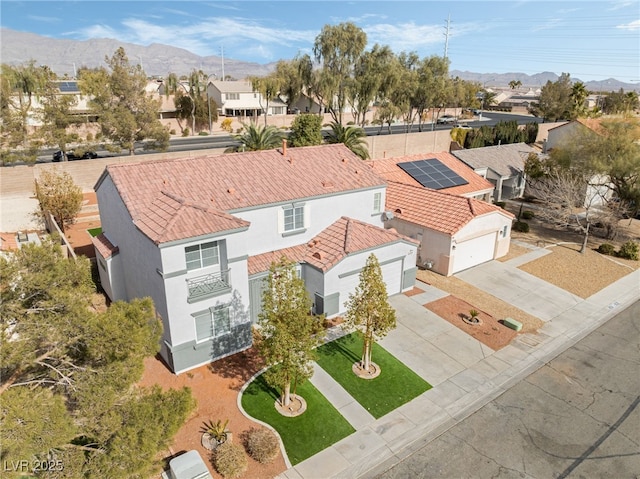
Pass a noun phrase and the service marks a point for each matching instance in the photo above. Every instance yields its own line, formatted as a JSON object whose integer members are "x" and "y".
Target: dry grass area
{"x": 580, "y": 274}
{"x": 480, "y": 300}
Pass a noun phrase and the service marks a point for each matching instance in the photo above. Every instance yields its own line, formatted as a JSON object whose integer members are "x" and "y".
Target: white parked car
{"x": 447, "y": 119}
{"x": 187, "y": 466}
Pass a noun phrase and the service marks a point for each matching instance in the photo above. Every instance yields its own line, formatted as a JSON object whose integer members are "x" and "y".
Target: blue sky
{"x": 591, "y": 40}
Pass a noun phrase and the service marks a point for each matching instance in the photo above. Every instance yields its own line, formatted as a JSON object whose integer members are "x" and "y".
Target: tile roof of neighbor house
{"x": 436, "y": 210}
{"x": 182, "y": 198}
{"x": 593, "y": 124}
{"x": 388, "y": 168}
{"x": 104, "y": 246}
{"x": 506, "y": 160}
{"x": 342, "y": 238}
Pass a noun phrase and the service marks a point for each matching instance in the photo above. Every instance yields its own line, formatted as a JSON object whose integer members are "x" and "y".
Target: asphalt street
{"x": 576, "y": 417}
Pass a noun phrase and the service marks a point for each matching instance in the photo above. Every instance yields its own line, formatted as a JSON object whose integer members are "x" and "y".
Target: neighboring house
{"x": 443, "y": 165}
{"x": 455, "y": 233}
{"x": 198, "y": 236}
{"x": 600, "y": 189}
{"x": 502, "y": 165}
{"x": 237, "y": 98}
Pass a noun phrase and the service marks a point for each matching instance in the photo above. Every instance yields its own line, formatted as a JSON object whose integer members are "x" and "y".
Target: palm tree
{"x": 513, "y": 84}
{"x": 256, "y": 138}
{"x": 351, "y": 136}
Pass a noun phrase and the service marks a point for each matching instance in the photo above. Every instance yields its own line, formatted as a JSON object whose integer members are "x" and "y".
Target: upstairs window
{"x": 377, "y": 202}
{"x": 294, "y": 218}
{"x": 232, "y": 96}
{"x": 202, "y": 255}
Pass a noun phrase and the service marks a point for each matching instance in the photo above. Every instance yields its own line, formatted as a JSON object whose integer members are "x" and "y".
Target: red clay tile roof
{"x": 104, "y": 246}
{"x": 230, "y": 182}
{"x": 330, "y": 246}
{"x": 436, "y": 210}
{"x": 388, "y": 169}
{"x": 169, "y": 217}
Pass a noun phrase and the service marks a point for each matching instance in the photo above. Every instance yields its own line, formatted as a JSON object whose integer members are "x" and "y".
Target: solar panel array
{"x": 68, "y": 86}
{"x": 432, "y": 173}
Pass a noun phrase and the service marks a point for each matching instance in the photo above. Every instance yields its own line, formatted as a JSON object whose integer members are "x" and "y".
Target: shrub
{"x": 225, "y": 125}
{"x": 629, "y": 250}
{"x": 172, "y": 131}
{"x": 606, "y": 248}
{"x": 230, "y": 460}
{"x": 89, "y": 136}
{"x": 521, "y": 226}
{"x": 501, "y": 204}
{"x": 262, "y": 445}
{"x": 527, "y": 215}
{"x": 186, "y": 132}
{"x": 204, "y": 133}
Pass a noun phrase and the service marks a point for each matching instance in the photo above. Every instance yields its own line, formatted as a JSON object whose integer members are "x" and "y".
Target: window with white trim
{"x": 377, "y": 202}
{"x": 232, "y": 96}
{"x": 212, "y": 323}
{"x": 202, "y": 255}
{"x": 294, "y": 218}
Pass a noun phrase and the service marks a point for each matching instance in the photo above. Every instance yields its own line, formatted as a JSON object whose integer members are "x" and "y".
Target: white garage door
{"x": 391, "y": 274}
{"x": 475, "y": 251}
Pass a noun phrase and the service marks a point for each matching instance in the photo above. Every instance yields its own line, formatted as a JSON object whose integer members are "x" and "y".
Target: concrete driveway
{"x": 521, "y": 289}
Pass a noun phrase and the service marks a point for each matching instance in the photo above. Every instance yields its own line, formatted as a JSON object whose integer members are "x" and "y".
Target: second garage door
{"x": 473, "y": 252}
{"x": 391, "y": 274}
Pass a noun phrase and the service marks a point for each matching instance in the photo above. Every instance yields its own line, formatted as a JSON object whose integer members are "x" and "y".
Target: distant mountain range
{"x": 67, "y": 56}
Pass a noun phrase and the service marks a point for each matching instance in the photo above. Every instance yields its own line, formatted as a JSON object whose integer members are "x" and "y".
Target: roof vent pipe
{"x": 284, "y": 147}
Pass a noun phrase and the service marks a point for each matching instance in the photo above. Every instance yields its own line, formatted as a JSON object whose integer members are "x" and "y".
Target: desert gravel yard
{"x": 580, "y": 274}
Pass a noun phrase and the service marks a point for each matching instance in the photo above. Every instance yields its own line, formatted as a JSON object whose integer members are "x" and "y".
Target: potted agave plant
{"x": 214, "y": 434}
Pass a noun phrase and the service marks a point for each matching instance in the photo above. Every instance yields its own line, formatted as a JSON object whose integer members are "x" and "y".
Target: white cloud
{"x": 622, "y": 4}
{"x": 632, "y": 26}
{"x": 37, "y": 18}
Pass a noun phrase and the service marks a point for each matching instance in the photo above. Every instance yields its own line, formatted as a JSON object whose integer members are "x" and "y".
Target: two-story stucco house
{"x": 198, "y": 236}
{"x": 237, "y": 98}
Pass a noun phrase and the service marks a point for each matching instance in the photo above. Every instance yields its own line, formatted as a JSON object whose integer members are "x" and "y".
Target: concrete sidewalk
{"x": 465, "y": 374}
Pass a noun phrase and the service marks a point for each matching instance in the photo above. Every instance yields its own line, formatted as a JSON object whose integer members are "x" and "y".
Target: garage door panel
{"x": 473, "y": 252}
{"x": 391, "y": 275}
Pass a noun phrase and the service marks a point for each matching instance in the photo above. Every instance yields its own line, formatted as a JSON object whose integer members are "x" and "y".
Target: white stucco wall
{"x": 263, "y": 234}
{"x": 179, "y": 310}
{"x": 405, "y": 251}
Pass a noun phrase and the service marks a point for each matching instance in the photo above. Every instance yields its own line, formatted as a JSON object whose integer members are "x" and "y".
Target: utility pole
{"x": 446, "y": 36}
{"x": 222, "y": 56}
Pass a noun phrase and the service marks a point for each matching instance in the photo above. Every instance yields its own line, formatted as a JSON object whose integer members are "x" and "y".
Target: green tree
{"x": 306, "y": 130}
{"x": 20, "y": 86}
{"x": 190, "y": 100}
{"x": 555, "y": 101}
{"x": 513, "y": 84}
{"x": 57, "y": 194}
{"x": 337, "y": 48}
{"x": 269, "y": 89}
{"x": 68, "y": 371}
{"x": 621, "y": 102}
{"x": 579, "y": 94}
{"x": 126, "y": 114}
{"x": 288, "y": 333}
{"x": 290, "y": 80}
{"x": 368, "y": 309}
{"x": 352, "y": 137}
{"x": 375, "y": 74}
{"x": 58, "y": 121}
{"x": 255, "y": 138}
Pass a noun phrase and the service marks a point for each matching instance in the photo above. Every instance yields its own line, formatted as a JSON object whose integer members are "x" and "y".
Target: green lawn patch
{"x": 396, "y": 385}
{"x": 320, "y": 426}
{"x": 95, "y": 231}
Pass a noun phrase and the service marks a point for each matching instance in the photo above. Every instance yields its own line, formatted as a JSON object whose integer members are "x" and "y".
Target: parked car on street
{"x": 72, "y": 155}
{"x": 444, "y": 119}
